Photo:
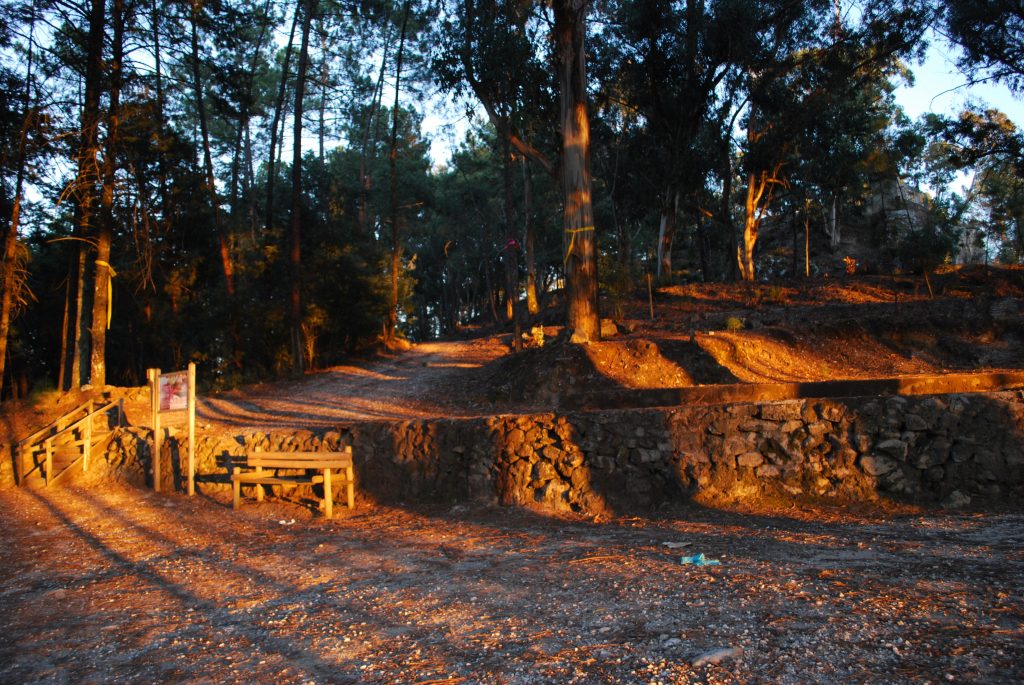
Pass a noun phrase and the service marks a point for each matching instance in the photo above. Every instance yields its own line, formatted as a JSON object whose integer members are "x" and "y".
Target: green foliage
{"x": 617, "y": 282}
{"x": 671, "y": 134}
{"x": 990, "y": 33}
{"x": 989, "y": 145}
{"x": 935, "y": 242}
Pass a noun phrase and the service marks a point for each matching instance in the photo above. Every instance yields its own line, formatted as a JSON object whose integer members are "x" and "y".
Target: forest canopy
{"x": 250, "y": 184}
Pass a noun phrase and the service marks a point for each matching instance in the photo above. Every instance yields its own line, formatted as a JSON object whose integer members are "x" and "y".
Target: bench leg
{"x": 350, "y": 487}
{"x": 328, "y": 495}
{"x": 259, "y": 486}
{"x": 238, "y": 493}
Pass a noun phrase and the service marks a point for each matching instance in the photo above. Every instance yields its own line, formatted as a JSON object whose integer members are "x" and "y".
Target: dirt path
{"x": 428, "y": 380}
{"x": 122, "y": 585}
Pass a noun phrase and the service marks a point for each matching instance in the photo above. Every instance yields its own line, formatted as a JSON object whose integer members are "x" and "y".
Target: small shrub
{"x": 733, "y": 324}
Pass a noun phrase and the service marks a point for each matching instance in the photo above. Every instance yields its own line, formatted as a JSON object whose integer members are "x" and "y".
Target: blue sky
{"x": 939, "y": 87}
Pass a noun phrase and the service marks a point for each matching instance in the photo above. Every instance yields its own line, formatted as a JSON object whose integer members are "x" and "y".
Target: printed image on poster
{"x": 174, "y": 391}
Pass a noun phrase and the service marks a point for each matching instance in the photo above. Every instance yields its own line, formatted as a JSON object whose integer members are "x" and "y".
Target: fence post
{"x": 49, "y": 460}
{"x": 191, "y": 428}
{"x": 88, "y": 442}
{"x": 154, "y": 395}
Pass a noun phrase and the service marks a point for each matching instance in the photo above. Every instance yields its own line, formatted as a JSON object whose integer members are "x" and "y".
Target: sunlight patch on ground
{"x": 362, "y": 373}
{"x": 637, "y": 364}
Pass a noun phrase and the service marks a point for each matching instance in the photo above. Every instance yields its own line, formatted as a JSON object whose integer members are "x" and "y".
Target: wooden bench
{"x": 267, "y": 464}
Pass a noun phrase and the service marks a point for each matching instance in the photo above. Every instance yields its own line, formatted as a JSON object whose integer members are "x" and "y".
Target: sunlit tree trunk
{"x": 9, "y": 280}
{"x": 532, "y": 301}
{"x": 10, "y": 262}
{"x": 85, "y": 185}
{"x": 759, "y": 195}
{"x": 578, "y": 215}
{"x": 745, "y": 255}
{"x": 295, "y": 247}
{"x": 104, "y": 272}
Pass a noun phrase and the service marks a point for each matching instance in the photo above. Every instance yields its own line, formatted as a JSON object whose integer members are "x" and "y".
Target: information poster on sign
{"x": 174, "y": 391}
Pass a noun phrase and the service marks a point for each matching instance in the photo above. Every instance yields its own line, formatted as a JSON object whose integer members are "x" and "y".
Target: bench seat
{"x": 262, "y": 468}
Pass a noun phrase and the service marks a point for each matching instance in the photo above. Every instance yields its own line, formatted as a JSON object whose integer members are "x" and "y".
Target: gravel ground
{"x": 123, "y": 585}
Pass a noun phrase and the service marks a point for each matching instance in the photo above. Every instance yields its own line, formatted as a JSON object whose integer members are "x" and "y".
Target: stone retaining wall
{"x": 949, "y": 449}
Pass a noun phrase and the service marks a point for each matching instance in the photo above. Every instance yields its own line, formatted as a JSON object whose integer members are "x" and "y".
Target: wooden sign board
{"x": 173, "y": 400}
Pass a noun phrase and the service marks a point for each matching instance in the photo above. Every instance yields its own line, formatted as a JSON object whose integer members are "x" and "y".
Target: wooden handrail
{"x": 82, "y": 420}
{"x": 56, "y": 422}
{"x": 47, "y": 441}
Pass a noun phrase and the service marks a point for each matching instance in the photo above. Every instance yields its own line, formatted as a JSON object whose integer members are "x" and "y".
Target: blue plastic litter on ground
{"x": 699, "y": 560}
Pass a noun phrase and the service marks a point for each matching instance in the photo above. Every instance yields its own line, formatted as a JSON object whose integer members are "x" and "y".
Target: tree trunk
{"x": 223, "y": 240}
{"x": 365, "y": 179}
{"x": 295, "y": 247}
{"x": 1019, "y": 239}
{"x": 9, "y": 281}
{"x": 807, "y": 238}
{"x": 236, "y": 169}
{"x": 510, "y": 254}
{"x": 745, "y": 254}
{"x": 104, "y": 272}
{"x": 85, "y": 182}
{"x": 583, "y": 319}
{"x": 396, "y": 245}
{"x": 702, "y": 245}
{"x": 759, "y": 196}
{"x": 80, "y": 344}
{"x": 666, "y": 235}
{"x": 725, "y": 209}
{"x": 833, "y": 226}
{"x": 249, "y": 184}
{"x": 532, "y": 301}
{"x": 268, "y": 222}
{"x": 325, "y": 75}
{"x": 160, "y": 103}
{"x": 241, "y": 158}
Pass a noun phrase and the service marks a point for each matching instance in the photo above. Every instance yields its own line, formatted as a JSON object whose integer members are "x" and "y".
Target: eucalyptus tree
{"x": 989, "y": 145}
{"x": 803, "y": 79}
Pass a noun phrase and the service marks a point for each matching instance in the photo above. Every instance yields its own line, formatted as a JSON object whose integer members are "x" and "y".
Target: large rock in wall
{"x": 949, "y": 448}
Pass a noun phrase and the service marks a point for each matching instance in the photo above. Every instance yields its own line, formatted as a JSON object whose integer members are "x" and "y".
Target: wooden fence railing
{"x": 36, "y": 452}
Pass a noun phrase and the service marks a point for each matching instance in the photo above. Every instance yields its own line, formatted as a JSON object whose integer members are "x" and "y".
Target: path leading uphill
{"x": 431, "y": 379}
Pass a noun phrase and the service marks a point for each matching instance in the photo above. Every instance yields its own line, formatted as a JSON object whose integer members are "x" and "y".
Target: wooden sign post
{"x": 173, "y": 393}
